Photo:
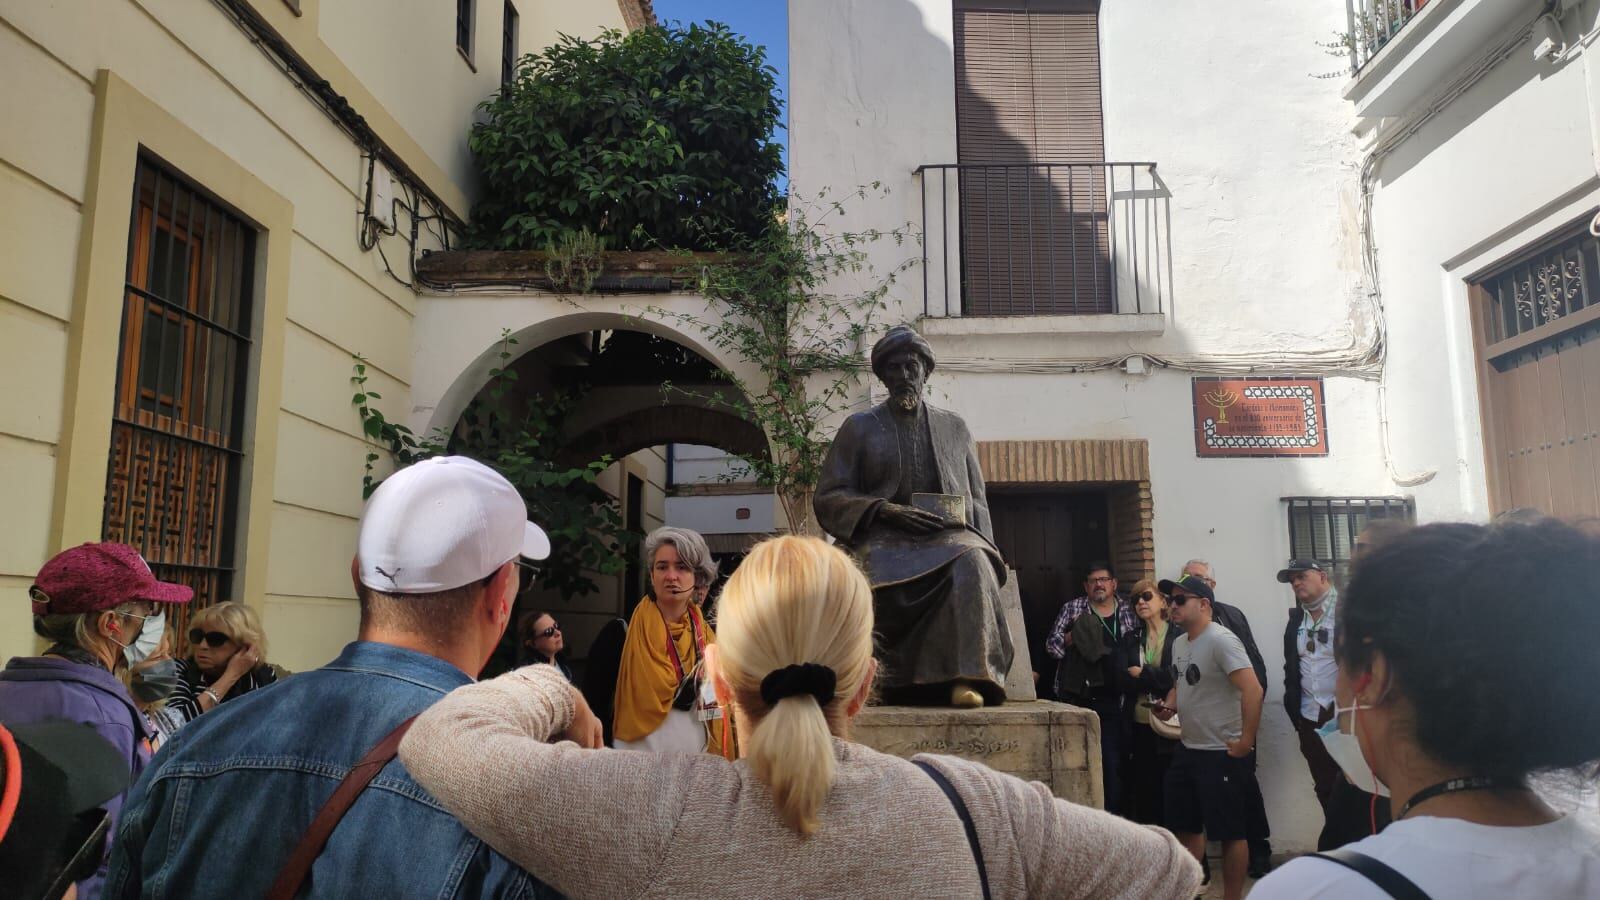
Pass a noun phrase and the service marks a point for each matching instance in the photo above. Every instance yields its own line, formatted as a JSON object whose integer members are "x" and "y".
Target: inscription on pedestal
{"x": 1037, "y": 741}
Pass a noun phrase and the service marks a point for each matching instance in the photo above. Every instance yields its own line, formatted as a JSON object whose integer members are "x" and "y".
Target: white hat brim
{"x": 535, "y": 543}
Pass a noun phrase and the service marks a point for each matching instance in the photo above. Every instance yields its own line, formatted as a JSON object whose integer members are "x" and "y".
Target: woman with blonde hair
{"x": 227, "y": 646}
{"x": 1143, "y": 664}
{"x": 803, "y": 812}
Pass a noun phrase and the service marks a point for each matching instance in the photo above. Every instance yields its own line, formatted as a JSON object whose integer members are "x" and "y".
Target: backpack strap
{"x": 294, "y": 871}
{"x": 966, "y": 819}
{"x": 1390, "y": 881}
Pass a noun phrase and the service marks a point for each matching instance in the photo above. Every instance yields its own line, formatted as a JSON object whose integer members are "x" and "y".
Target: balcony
{"x": 1402, "y": 52}
{"x": 1373, "y": 23}
{"x": 1069, "y": 246}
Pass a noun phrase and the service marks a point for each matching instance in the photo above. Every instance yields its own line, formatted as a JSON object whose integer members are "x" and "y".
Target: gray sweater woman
{"x": 636, "y": 824}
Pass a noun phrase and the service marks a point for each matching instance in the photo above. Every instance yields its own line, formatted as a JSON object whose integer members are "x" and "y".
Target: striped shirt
{"x": 184, "y": 704}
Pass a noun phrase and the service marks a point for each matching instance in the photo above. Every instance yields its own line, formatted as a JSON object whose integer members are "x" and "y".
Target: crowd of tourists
{"x": 716, "y": 759}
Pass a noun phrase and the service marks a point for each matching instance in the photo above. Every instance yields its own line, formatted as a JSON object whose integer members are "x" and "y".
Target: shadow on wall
{"x": 1030, "y": 219}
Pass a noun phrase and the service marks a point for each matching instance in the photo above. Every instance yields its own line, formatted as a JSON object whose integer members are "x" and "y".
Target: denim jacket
{"x": 225, "y": 801}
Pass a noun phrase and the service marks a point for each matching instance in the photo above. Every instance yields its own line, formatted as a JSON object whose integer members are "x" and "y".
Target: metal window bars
{"x": 1044, "y": 238}
{"x": 172, "y": 479}
{"x": 1325, "y": 528}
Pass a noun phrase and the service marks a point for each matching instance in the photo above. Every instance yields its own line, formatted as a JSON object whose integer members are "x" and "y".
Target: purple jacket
{"x": 39, "y": 689}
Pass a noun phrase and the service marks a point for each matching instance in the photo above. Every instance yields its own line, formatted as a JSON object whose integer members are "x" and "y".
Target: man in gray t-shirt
{"x": 1218, "y": 700}
{"x": 1212, "y": 714}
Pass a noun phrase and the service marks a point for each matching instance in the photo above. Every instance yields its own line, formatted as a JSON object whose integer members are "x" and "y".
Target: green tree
{"x": 653, "y": 138}
{"x": 515, "y": 434}
{"x": 798, "y": 306}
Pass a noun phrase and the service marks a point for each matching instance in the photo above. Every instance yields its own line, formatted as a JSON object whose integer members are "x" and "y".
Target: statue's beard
{"x": 905, "y": 398}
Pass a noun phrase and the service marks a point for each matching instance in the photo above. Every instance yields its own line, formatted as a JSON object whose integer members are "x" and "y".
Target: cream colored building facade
{"x": 310, "y": 125}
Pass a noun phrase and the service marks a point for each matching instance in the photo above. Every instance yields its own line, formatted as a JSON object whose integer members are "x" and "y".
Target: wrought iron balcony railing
{"x": 1373, "y": 23}
{"x": 1044, "y": 239}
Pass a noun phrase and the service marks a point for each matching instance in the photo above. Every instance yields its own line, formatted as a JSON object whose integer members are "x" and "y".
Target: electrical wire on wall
{"x": 424, "y": 220}
{"x": 425, "y": 213}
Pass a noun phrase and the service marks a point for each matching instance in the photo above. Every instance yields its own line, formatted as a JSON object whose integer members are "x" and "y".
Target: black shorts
{"x": 1209, "y": 791}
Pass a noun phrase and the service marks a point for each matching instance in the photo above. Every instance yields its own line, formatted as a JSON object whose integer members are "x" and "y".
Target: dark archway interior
{"x": 620, "y": 392}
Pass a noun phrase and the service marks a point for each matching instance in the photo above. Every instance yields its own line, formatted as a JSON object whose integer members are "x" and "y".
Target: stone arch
{"x": 670, "y": 424}
{"x": 457, "y": 339}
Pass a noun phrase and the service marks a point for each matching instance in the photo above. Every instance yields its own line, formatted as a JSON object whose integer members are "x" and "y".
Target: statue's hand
{"x": 910, "y": 519}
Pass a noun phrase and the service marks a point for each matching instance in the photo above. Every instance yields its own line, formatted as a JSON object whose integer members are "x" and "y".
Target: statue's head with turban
{"x": 900, "y": 338}
{"x": 905, "y": 388}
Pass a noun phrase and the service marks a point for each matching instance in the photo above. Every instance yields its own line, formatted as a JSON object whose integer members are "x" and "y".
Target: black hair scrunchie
{"x": 805, "y": 678}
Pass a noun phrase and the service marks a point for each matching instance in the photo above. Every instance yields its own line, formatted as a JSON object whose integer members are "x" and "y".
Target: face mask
{"x": 155, "y": 682}
{"x": 1346, "y": 751}
{"x": 139, "y": 649}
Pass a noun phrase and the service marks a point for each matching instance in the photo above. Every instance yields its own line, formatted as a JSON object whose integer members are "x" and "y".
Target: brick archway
{"x": 1121, "y": 467}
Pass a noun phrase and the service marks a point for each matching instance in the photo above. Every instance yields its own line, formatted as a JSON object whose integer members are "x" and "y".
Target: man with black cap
{"x": 1218, "y": 701}
{"x": 263, "y": 796}
{"x": 901, "y": 488}
{"x": 1309, "y": 669}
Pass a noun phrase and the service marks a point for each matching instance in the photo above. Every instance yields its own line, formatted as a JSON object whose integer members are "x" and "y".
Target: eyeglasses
{"x": 212, "y": 639}
{"x": 532, "y": 581}
{"x": 552, "y": 631}
{"x": 1315, "y": 635}
{"x": 1101, "y": 579}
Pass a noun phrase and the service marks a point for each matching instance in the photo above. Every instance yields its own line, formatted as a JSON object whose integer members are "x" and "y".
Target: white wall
{"x": 695, "y": 464}
{"x": 720, "y": 514}
{"x": 1499, "y": 168}
{"x": 1260, "y": 166}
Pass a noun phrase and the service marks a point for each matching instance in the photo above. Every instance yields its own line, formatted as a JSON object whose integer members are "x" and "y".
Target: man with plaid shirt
{"x": 1082, "y": 673}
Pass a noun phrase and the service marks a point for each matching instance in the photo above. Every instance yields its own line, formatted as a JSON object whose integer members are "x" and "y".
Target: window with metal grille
{"x": 464, "y": 28}
{"x": 1541, "y": 289}
{"x": 1325, "y": 528}
{"x": 172, "y": 482}
{"x": 508, "y": 45}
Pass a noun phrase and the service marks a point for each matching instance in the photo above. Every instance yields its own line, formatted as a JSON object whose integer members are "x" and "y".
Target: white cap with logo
{"x": 443, "y": 523}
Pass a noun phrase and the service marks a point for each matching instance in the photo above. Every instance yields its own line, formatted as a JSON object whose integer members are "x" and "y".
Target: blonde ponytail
{"x": 795, "y": 601}
{"x": 791, "y": 751}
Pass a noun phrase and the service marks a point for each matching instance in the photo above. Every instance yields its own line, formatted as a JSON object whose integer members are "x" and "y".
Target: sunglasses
{"x": 1146, "y": 596}
{"x": 212, "y": 639}
{"x": 552, "y": 631}
{"x": 1315, "y": 635}
{"x": 1179, "y": 599}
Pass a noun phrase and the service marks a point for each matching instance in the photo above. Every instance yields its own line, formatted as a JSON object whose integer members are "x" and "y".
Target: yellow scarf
{"x": 647, "y": 679}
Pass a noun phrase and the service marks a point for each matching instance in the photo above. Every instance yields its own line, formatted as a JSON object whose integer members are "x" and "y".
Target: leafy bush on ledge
{"x": 661, "y": 137}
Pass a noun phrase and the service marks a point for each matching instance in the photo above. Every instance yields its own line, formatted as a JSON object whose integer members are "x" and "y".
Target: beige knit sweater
{"x": 617, "y": 823}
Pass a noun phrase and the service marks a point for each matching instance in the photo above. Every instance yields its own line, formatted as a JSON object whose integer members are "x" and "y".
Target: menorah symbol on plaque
{"x": 1222, "y": 400}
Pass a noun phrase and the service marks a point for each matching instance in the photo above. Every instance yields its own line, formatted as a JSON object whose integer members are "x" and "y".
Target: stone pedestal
{"x": 1019, "y": 681}
{"x": 1043, "y": 741}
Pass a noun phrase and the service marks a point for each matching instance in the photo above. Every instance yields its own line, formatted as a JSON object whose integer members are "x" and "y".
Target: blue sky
{"x": 764, "y": 23}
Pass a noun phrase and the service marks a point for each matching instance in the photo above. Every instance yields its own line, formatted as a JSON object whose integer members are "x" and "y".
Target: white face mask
{"x": 1346, "y": 751}
{"x": 139, "y": 649}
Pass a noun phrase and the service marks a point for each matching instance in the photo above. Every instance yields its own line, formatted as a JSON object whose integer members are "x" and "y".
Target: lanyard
{"x": 1152, "y": 654}
{"x": 699, "y": 642}
{"x": 1457, "y": 785}
{"x": 1105, "y": 621}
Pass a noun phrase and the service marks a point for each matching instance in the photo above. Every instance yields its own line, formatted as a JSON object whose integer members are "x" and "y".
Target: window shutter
{"x": 1034, "y": 237}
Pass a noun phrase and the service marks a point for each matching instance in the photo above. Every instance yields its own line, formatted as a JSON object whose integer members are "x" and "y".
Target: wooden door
{"x": 1537, "y": 330}
{"x": 1049, "y": 538}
